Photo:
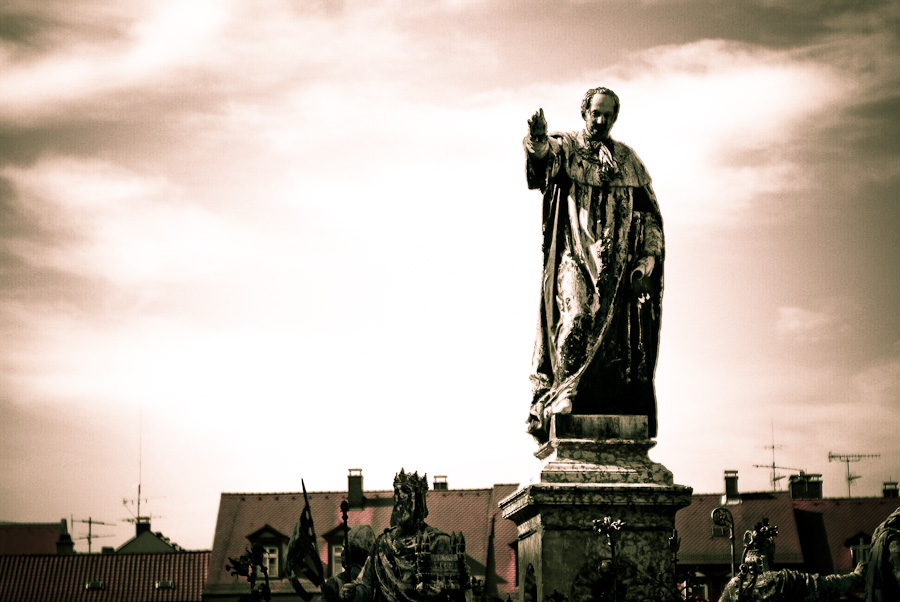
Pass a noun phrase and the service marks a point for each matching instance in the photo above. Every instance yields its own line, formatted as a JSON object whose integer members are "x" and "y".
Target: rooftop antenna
{"x": 90, "y": 523}
{"x": 775, "y": 477}
{"x": 138, "y": 518}
{"x": 846, "y": 459}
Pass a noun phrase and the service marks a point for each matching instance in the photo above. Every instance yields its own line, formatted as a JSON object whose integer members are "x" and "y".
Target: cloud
{"x": 808, "y": 325}
{"x": 142, "y": 48}
{"x": 101, "y": 221}
{"x": 879, "y": 384}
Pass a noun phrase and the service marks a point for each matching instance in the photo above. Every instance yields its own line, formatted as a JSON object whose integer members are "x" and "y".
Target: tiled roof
{"x": 471, "y": 511}
{"x": 845, "y": 518}
{"x": 28, "y": 538}
{"x": 699, "y": 547}
{"x": 125, "y": 578}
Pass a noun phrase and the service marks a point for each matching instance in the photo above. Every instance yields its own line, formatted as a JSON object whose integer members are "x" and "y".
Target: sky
{"x": 245, "y": 244}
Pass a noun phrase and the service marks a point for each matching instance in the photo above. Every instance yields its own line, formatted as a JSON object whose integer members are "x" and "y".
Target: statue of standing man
{"x": 598, "y": 326}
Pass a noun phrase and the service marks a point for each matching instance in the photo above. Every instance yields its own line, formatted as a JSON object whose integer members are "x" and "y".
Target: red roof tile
{"x": 845, "y": 518}
{"x": 468, "y": 510}
{"x": 698, "y": 546}
{"x": 126, "y": 577}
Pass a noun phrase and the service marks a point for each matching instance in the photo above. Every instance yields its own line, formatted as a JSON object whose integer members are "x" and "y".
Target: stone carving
{"x": 596, "y": 466}
{"x": 360, "y": 541}
{"x": 599, "y": 318}
{"x": 756, "y": 583}
{"x": 412, "y": 561}
{"x": 883, "y": 575}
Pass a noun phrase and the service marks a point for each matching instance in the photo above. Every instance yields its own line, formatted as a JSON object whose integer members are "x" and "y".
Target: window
{"x": 335, "y": 551}
{"x": 164, "y": 584}
{"x": 717, "y": 531}
{"x": 860, "y": 552}
{"x": 271, "y": 561}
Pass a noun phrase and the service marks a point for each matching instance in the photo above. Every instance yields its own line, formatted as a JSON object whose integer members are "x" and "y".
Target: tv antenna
{"x": 90, "y": 523}
{"x": 777, "y": 477}
{"x": 846, "y": 459}
{"x": 136, "y": 517}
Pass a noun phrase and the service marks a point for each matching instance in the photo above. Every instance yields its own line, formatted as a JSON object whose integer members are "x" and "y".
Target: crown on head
{"x": 411, "y": 480}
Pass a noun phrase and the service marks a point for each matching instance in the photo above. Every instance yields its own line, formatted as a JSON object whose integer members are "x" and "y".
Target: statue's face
{"x": 404, "y": 507}
{"x": 600, "y": 116}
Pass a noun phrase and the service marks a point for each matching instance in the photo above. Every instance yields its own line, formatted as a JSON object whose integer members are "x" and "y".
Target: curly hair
{"x": 586, "y": 101}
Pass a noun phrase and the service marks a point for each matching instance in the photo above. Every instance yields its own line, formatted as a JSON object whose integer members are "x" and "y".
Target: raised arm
{"x": 536, "y": 143}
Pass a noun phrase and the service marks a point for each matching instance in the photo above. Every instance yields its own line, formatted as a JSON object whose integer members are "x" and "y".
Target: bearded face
{"x": 404, "y": 513}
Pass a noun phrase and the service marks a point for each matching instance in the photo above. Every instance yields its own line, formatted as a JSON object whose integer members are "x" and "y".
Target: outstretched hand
{"x": 536, "y": 144}
{"x": 537, "y": 125}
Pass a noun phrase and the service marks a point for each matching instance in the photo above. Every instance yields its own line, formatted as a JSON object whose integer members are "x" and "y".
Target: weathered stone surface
{"x": 598, "y": 427}
{"x": 593, "y": 467}
{"x": 599, "y": 449}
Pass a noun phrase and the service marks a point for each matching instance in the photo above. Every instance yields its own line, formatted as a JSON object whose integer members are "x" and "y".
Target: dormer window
{"x": 273, "y": 543}
{"x": 270, "y": 557}
{"x": 335, "y": 553}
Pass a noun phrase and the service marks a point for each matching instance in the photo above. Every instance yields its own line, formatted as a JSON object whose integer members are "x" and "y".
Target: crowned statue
{"x": 412, "y": 561}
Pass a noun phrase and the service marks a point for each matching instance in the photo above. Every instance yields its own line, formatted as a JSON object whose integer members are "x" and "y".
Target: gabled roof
{"x": 846, "y": 517}
{"x": 472, "y": 511}
{"x": 28, "y": 538}
{"x": 148, "y": 542}
{"x": 699, "y": 547}
{"x": 125, "y": 578}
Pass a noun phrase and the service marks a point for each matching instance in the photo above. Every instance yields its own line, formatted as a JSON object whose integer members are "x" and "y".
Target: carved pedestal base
{"x": 594, "y": 467}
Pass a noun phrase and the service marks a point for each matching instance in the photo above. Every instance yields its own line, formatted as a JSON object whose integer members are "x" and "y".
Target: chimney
{"x": 64, "y": 544}
{"x": 890, "y": 489}
{"x": 355, "y": 488}
{"x": 731, "y": 488}
{"x": 806, "y": 486}
{"x": 440, "y": 482}
{"x": 108, "y": 550}
{"x": 141, "y": 525}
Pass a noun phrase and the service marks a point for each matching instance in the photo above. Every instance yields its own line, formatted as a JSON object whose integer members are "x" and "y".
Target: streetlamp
{"x": 722, "y": 517}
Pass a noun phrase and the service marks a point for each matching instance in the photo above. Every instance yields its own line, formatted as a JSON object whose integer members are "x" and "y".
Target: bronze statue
{"x": 599, "y": 319}
{"x": 412, "y": 561}
{"x": 883, "y": 575}
{"x": 359, "y": 542}
{"x": 757, "y": 583}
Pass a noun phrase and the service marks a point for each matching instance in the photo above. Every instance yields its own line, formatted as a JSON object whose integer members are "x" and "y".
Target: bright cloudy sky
{"x": 243, "y": 244}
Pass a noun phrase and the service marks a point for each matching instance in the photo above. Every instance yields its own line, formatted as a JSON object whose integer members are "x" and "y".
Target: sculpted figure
{"x": 599, "y": 319}
{"x": 412, "y": 561}
{"x": 757, "y": 583}
{"x": 361, "y": 539}
{"x": 788, "y": 585}
{"x": 883, "y": 576}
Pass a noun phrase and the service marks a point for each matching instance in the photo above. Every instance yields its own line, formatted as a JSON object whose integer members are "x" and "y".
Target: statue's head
{"x": 599, "y": 109}
{"x": 759, "y": 546}
{"x": 410, "y": 507}
{"x": 360, "y": 539}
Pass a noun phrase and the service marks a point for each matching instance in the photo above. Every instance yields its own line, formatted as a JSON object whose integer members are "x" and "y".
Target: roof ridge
{"x": 344, "y": 491}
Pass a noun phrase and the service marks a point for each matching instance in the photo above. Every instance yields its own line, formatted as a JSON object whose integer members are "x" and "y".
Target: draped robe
{"x": 596, "y": 343}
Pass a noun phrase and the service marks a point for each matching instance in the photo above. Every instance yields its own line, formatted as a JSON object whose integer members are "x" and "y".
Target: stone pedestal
{"x": 594, "y": 467}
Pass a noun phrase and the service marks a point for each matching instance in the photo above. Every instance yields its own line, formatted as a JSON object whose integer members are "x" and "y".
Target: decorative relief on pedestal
{"x": 594, "y": 467}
